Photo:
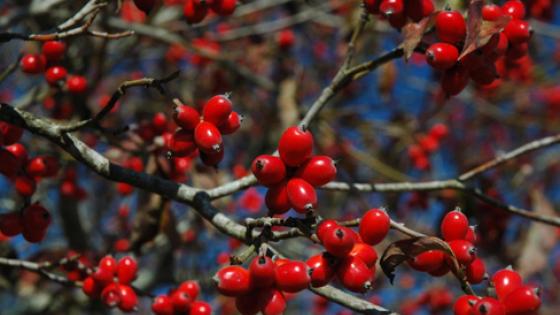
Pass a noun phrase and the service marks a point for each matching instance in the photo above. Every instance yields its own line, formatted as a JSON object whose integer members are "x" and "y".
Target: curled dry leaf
{"x": 413, "y": 33}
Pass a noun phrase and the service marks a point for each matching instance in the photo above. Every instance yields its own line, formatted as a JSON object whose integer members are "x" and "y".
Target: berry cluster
{"x": 481, "y": 64}
{"x": 32, "y": 222}
{"x": 69, "y": 188}
{"x": 182, "y": 301}
{"x": 196, "y": 10}
{"x": 427, "y": 144}
{"x": 102, "y": 284}
{"x": 398, "y": 12}
{"x": 512, "y": 297}
{"x": 460, "y": 237}
{"x": 48, "y": 62}
{"x": 203, "y": 134}
{"x": 291, "y": 178}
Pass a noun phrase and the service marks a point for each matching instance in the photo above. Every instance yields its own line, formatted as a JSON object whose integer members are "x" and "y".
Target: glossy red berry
{"x": 191, "y": 287}
{"x": 451, "y": 27}
{"x": 32, "y": 64}
{"x": 355, "y": 275}
{"x": 91, "y": 287}
{"x": 55, "y": 74}
{"x": 163, "y": 305}
{"x": 390, "y": 7}
{"x": 491, "y": 12}
{"x": 106, "y": 270}
{"x": 274, "y": 303}
{"x": 454, "y": 226}
{"x": 505, "y": 281}
{"x": 249, "y": 304}
{"x": 110, "y": 295}
{"x": 233, "y": 281}
{"x": 464, "y": 251}
{"x": 212, "y": 158}
{"x": 338, "y": 242}
{"x": 128, "y": 298}
{"x": 207, "y": 137}
{"x": 293, "y": 276}
{"x": 488, "y": 306}
{"x": 302, "y": 195}
{"x": 200, "y": 308}
{"x": 186, "y": 117}
{"x": 76, "y": 84}
{"x": 318, "y": 170}
{"x": 322, "y": 269}
{"x": 217, "y": 110}
{"x": 365, "y": 252}
{"x": 476, "y": 271}
{"x": 514, "y": 8}
{"x": 11, "y": 223}
{"x": 126, "y": 270}
{"x": 518, "y": 31}
{"x": 324, "y": 227}
{"x": 295, "y": 146}
{"x": 268, "y": 169}
{"x": 181, "y": 301}
{"x": 465, "y": 304}
{"x": 10, "y": 133}
{"x": 428, "y": 261}
{"x": 53, "y": 50}
{"x": 42, "y": 166}
{"x": 182, "y": 143}
{"x": 223, "y": 7}
{"x": 442, "y": 56}
{"x": 441, "y": 271}
{"x": 523, "y": 300}
{"x": 454, "y": 80}
{"x": 194, "y": 11}
{"x": 374, "y": 226}
{"x": 261, "y": 271}
{"x": 439, "y": 131}
{"x": 416, "y": 10}
{"x": 232, "y": 124}
{"x": 145, "y": 5}
{"x": 25, "y": 185}
{"x": 277, "y": 200}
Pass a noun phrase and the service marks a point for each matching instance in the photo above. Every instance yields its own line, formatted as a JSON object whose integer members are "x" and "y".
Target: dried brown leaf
{"x": 413, "y": 33}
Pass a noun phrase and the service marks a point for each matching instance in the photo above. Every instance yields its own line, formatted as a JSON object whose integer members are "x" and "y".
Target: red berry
{"x": 365, "y": 252}
{"x": 163, "y": 305}
{"x": 391, "y": 7}
{"x": 268, "y": 169}
{"x": 126, "y": 270}
{"x": 190, "y": 287}
{"x": 181, "y": 301}
{"x": 106, "y": 270}
{"x": 523, "y": 300}
{"x": 338, "y": 242}
{"x": 286, "y": 39}
{"x": 464, "y": 304}
{"x": 55, "y": 74}
{"x": 186, "y": 117}
{"x": 518, "y": 31}
{"x": 159, "y": 122}
{"x": 505, "y": 281}
{"x": 439, "y": 131}
{"x": 428, "y": 261}
{"x": 182, "y": 143}
{"x": 10, "y": 133}
{"x": 274, "y": 303}
{"x": 355, "y": 274}
{"x": 128, "y": 298}
{"x": 233, "y": 281}
{"x": 217, "y": 110}
{"x": 293, "y": 276}
{"x": 277, "y": 200}
{"x": 195, "y": 11}
{"x": 53, "y": 50}
{"x": 212, "y": 158}
{"x": 145, "y": 5}
{"x": 488, "y": 306}
{"x": 232, "y": 124}
{"x": 517, "y": 51}
{"x": 471, "y": 235}
{"x": 42, "y": 166}
{"x": 374, "y": 226}
{"x": 200, "y": 308}
{"x": 428, "y": 144}
{"x": 442, "y": 56}
{"x": 35, "y": 217}
{"x": 463, "y": 250}
{"x": 416, "y": 10}
{"x": 322, "y": 269}
{"x": 223, "y": 7}
{"x": 454, "y": 80}
{"x": 91, "y": 287}
{"x": 451, "y": 27}
{"x": 25, "y": 185}
{"x": 476, "y": 271}
{"x": 324, "y": 227}
{"x": 76, "y": 84}
{"x": 318, "y": 170}
{"x": 110, "y": 295}
{"x": 295, "y": 146}
{"x": 11, "y": 223}
{"x": 261, "y": 271}
{"x": 491, "y": 12}
{"x": 207, "y": 137}
{"x": 441, "y": 271}
{"x": 514, "y": 8}
{"x": 302, "y": 195}
{"x": 454, "y": 226}
{"x": 32, "y": 64}
{"x": 249, "y": 304}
